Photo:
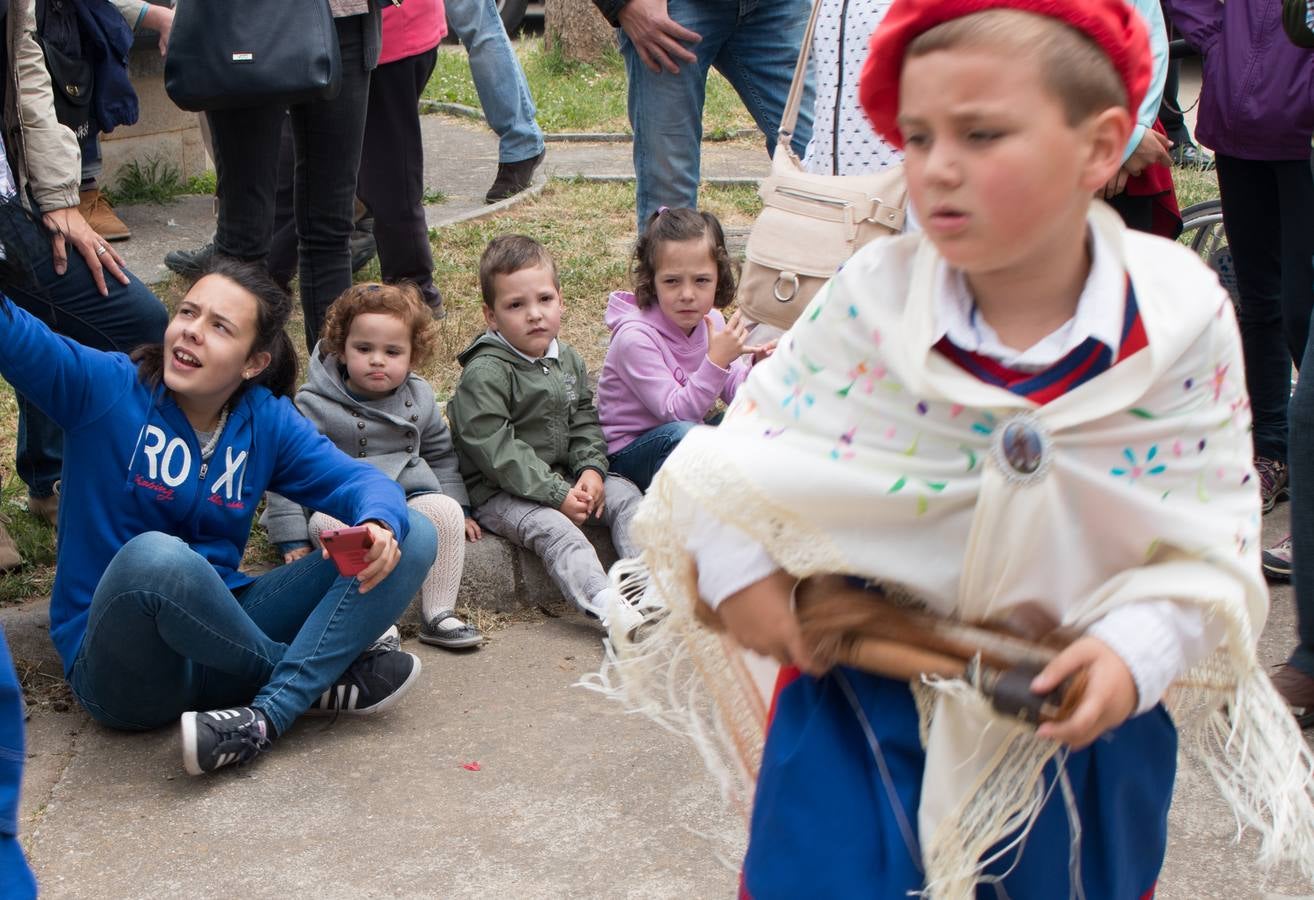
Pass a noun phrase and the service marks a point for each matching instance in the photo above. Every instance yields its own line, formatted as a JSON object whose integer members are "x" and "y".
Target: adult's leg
{"x": 282, "y": 261}
{"x": 328, "y": 136}
{"x": 569, "y": 558}
{"x": 498, "y": 79}
{"x": 1170, "y": 109}
{"x": 160, "y": 617}
{"x": 666, "y": 110}
{"x": 1300, "y": 456}
{"x": 758, "y": 60}
{"x": 246, "y": 166}
{"x": 1295, "y": 189}
{"x": 71, "y": 305}
{"x": 331, "y": 627}
{"x": 391, "y": 179}
{"x": 1251, "y": 216}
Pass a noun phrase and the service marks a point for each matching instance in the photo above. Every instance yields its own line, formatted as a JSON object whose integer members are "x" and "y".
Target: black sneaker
{"x": 512, "y": 178}
{"x": 373, "y": 683}
{"x": 221, "y": 737}
{"x": 190, "y": 263}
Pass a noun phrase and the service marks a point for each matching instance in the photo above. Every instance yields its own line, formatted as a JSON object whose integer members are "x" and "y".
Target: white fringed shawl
{"x": 859, "y": 449}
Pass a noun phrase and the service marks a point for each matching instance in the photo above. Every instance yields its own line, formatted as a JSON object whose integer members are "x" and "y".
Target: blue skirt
{"x": 825, "y": 824}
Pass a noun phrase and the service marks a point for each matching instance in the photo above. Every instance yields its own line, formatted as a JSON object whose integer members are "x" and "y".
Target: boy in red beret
{"x": 1025, "y": 403}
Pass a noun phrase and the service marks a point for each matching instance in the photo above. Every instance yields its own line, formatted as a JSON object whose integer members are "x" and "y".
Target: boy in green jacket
{"x": 527, "y": 434}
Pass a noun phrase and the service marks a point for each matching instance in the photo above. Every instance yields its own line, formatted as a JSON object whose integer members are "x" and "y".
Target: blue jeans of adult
{"x": 327, "y": 136}
{"x": 498, "y": 79}
{"x": 72, "y": 306}
{"x": 1268, "y": 211}
{"x": 754, "y": 44}
{"x": 165, "y": 634}
{"x": 640, "y": 459}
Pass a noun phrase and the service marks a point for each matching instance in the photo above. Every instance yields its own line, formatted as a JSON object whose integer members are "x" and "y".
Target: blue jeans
{"x": 498, "y": 78}
{"x": 165, "y": 635}
{"x": 754, "y": 44}
{"x": 70, "y": 304}
{"x": 640, "y": 459}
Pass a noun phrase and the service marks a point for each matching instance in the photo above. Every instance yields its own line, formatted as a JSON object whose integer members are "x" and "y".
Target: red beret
{"x": 1112, "y": 24}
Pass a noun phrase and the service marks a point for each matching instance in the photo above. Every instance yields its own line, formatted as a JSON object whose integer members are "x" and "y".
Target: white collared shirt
{"x": 553, "y": 349}
{"x": 1098, "y": 315}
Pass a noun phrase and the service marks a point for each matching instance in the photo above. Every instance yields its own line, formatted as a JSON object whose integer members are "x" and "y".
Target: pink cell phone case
{"x": 347, "y": 547}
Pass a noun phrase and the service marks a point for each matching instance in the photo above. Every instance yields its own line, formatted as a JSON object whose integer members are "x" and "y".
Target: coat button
{"x": 410, "y": 448}
{"x": 360, "y": 425}
{"x": 361, "y": 454}
{"x": 408, "y": 403}
{"x": 363, "y": 441}
{"x": 415, "y": 417}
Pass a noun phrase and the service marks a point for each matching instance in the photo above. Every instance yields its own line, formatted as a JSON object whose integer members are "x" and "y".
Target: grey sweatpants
{"x": 565, "y": 550}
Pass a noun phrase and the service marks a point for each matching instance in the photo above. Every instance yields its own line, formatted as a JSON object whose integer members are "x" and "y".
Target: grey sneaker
{"x": 1277, "y": 561}
{"x": 1272, "y": 481}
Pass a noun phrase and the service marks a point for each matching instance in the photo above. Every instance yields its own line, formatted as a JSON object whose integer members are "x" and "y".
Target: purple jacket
{"x": 1258, "y": 95}
{"x": 655, "y": 373}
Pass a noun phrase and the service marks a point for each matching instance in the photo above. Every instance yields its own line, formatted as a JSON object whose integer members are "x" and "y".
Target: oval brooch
{"x": 1022, "y": 449}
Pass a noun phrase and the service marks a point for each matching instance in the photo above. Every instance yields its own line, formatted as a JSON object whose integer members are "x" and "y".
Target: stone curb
{"x": 578, "y": 137}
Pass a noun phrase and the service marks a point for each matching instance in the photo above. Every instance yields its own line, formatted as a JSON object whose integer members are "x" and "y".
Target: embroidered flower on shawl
{"x": 1136, "y": 469}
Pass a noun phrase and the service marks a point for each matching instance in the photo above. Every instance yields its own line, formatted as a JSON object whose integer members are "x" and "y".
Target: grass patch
{"x": 1194, "y": 186}
{"x": 433, "y": 196}
{"x": 573, "y": 96}
{"x": 152, "y": 181}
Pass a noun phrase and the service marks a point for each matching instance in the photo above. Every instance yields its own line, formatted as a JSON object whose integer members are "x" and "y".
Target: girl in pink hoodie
{"x": 672, "y": 353}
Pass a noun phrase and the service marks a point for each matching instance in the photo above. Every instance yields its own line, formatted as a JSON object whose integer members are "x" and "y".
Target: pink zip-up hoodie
{"x": 655, "y": 373}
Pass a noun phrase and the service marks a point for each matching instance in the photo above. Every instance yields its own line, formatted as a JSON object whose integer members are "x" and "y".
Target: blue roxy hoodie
{"x": 132, "y": 465}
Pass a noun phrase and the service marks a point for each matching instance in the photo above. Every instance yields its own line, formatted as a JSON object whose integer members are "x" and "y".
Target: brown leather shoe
{"x": 9, "y": 558}
{"x": 46, "y": 508}
{"x": 101, "y": 217}
{"x": 1297, "y": 689}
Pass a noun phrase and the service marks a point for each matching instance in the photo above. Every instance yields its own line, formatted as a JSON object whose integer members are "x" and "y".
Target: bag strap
{"x": 790, "y": 116}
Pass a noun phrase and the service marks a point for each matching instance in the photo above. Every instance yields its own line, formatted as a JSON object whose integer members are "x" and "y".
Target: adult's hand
{"x": 658, "y": 39}
{"x": 160, "y": 18}
{"x": 1152, "y": 149}
{"x": 381, "y": 558}
{"x": 66, "y": 227}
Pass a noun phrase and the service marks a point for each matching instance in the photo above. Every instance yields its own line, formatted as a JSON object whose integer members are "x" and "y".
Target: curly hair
{"x": 680, "y": 225}
{"x": 402, "y": 300}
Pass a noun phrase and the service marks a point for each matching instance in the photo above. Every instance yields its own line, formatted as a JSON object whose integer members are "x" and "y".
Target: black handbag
{"x": 71, "y": 74}
{"x": 226, "y": 54}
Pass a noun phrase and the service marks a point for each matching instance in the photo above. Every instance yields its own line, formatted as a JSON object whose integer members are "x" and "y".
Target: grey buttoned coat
{"x": 404, "y": 435}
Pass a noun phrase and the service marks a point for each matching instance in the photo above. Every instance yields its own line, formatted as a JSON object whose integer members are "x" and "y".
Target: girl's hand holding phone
{"x": 381, "y": 557}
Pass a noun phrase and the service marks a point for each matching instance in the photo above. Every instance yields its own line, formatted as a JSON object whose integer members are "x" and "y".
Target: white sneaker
{"x": 622, "y": 617}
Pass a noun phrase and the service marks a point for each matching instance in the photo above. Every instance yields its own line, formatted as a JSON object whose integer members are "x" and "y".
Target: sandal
{"x": 452, "y": 638}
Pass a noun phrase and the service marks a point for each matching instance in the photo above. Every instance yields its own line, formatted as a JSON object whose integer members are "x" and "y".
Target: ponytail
{"x": 280, "y": 376}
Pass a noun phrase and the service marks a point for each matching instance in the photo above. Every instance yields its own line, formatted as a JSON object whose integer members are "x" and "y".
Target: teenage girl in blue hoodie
{"x": 167, "y": 454}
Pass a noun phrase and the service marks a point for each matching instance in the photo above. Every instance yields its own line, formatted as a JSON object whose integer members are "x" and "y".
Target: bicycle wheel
{"x": 1202, "y": 231}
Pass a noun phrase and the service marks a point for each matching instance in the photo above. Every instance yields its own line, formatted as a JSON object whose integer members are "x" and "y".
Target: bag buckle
{"x": 788, "y": 279}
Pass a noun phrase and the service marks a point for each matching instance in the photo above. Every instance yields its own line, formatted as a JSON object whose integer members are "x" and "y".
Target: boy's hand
{"x": 472, "y": 530}
{"x": 726, "y": 345}
{"x": 590, "y": 482}
{"x": 292, "y": 556}
{"x": 576, "y": 506}
{"x": 1109, "y": 698}
{"x": 761, "y": 618}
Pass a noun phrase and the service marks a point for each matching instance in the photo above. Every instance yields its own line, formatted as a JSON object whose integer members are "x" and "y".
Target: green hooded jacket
{"x": 527, "y": 428}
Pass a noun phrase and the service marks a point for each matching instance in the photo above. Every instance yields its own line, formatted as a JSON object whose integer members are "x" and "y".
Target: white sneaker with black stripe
{"x": 371, "y": 684}
{"x": 221, "y": 737}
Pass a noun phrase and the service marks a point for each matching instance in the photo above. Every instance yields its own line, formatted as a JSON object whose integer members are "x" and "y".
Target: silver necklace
{"x": 208, "y": 450}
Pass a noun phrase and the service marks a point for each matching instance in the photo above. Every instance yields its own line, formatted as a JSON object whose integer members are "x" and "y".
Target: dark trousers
{"x": 327, "y": 137}
{"x": 1170, "y": 108}
{"x": 391, "y": 181}
{"x": 70, "y": 304}
{"x": 1300, "y": 459}
{"x": 1268, "y": 213}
